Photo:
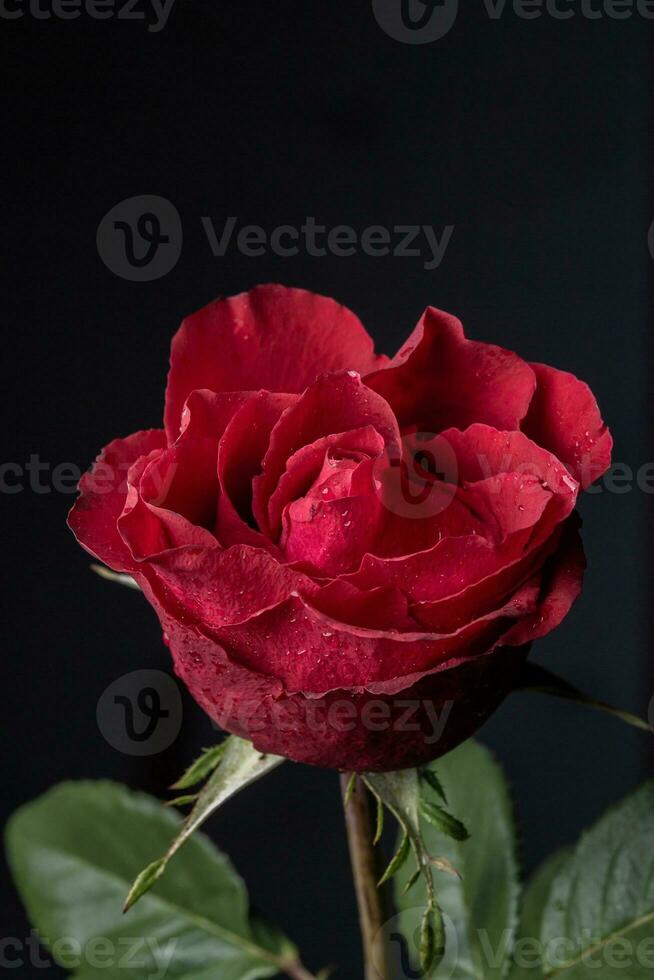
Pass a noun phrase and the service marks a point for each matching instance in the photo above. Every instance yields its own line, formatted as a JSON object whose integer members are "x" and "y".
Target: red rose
{"x": 349, "y": 555}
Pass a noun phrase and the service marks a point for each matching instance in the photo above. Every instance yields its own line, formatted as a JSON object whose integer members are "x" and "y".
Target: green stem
{"x": 366, "y": 874}
{"x": 296, "y": 971}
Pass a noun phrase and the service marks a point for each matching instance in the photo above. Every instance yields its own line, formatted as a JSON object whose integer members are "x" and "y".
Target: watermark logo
{"x": 140, "y": 239}
{"x": 419, "y": 480}
{"x": 140, "y": 714}
{"x": 424, "y": 21}
{"x": 400, "y": 935}
{"x": 650, "y": 239}
{"x": 416, "y": 21}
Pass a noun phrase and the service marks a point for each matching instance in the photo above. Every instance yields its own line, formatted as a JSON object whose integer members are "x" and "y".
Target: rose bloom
{"x": 349, "y": 555}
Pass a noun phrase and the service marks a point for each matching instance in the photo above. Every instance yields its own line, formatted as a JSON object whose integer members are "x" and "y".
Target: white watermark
{"x": 140, "y": 239}
{"x": 140, "y": 713}
{"x": 321, "y": 715}
{"x": 420, "y": 483}
{"x": 154, "y": 12}
{"x": 586, "y": 951}
{"x": 146, "y": 954}
{"x": 425, "y": 21}
{"x": 316, "y": 240}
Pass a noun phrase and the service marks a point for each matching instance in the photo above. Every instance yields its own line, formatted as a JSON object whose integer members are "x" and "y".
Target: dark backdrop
{"x": 529, "y": 137}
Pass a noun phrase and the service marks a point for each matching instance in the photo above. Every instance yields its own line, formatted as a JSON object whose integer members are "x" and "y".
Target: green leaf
{"x": 599, "y": 916}
{"x": 542, "y": 681}
{"x": 397, "y": 860}
{"x": 411, "y": 882}
{"x": 183, "y": 800}
{"x": 432, "y": 940}
{"x": 146, "y": 879}
{"x": 527, "y": 951}
{"x": 430, "y": 777}
{"x": 349, "y": 789}
{"x": 379, "y": 823}
{"x": 205, "y": 764}
{"x": 240, "y": 765}
{"x": 481, "y": 910}
{"x": 74, "y": 851}
{"x": 443, "y": 821}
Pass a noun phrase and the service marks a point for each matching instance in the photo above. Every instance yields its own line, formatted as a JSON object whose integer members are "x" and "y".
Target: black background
{"x": 530, "y": 137}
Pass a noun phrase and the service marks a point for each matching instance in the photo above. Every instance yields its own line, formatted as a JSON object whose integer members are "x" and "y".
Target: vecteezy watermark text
{"x": 620, "y": 955}
{"x": 145, "y": 954}
{"x": 324, "y": 715}
{"x": 316, "y": 240}
{"x": 36, "y": 475}
{"x": 154, "y": 12}
{"x": 140, "y": 239}
{"x": 424, "y": 21}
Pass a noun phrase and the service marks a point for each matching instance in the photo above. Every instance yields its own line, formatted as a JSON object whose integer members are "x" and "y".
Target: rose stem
{"x": 366, "y": 874}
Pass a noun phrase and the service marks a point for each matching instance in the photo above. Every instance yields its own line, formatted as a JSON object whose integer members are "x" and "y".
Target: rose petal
{"x": 171, "y": 499}
{"x": 439, "y": 379}
{"x": 455, "y": 562}
{"x": 335, "y": 403}
{"x": 344, "y": 729}
{"x": 206, "y": 414}
{"x": 272, "y": 337}
{"x": 330, "y": 537}
{"x": 516, "y": 494}
{"x": 564, "y": 418}
{"x": 240, "y": 455}
{"x": 313, "y": 653}
{"x": 218, "y": 587}
{"x": 102, "y": 498}
{"x": 448, "y": 614}
{"x": 379, "y": 609}
{"x": 305, "y": 466}
{"x": 563, "y": 579}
